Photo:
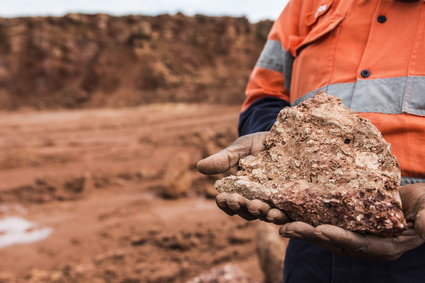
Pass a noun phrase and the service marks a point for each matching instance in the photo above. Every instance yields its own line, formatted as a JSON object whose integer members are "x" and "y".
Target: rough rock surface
{"x": 324, "y": 164}
{"x": 105, "y": 61}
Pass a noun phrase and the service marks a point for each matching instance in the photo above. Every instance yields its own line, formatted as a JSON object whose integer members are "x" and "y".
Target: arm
{"x": 269, "y": 85}
{"x": 260, "y": 116}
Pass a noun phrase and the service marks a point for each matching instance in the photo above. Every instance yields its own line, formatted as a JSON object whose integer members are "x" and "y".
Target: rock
{"x": 226, "y": 274}
{"x": 177, "y": 176}
{"x": 324, "y": 164}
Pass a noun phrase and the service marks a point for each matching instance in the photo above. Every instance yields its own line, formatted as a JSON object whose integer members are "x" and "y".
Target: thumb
{"x": 339, "y": 236}
{"x": 230, "y": 156}
{"x": 420, "y": 217}
{"x": 420, "y": 224}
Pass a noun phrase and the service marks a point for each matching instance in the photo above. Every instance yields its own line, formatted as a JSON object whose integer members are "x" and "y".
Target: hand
{"x": 234, "y": 203}
{"x": 369, "y": 246}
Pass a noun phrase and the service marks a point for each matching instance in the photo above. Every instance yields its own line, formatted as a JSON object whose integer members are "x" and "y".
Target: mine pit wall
{"x": 99, "y": 60}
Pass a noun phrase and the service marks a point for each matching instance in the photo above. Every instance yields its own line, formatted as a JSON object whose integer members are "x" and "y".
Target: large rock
{"x": 324, "y": 164}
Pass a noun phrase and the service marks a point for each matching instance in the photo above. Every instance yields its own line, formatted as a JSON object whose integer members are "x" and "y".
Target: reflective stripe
{"x": 275, "y": 58}
{"x": 389, "y": 95}
{"x": 411, "y": 180}
{"x": 414, "y": 101}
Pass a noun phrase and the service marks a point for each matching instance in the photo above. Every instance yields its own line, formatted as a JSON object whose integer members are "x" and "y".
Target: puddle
{"x": 17, "y": 230}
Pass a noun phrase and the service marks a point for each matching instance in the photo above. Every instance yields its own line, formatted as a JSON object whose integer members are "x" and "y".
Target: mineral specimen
{"x": 324, "y": 164}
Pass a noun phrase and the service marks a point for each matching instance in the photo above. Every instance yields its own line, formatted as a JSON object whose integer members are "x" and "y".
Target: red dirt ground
{"x": 98, "y": 178}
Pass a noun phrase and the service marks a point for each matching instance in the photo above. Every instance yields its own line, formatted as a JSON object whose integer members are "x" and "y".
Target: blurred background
{"x": 105, "y": 108}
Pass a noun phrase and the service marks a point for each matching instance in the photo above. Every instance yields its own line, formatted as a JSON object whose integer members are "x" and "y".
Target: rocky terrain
{"x": 99, "y": 60}
{"x": 101, "y": 180}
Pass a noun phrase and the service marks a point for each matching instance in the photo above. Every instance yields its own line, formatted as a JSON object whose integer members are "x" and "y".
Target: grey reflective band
{"x": 411, "y": 180}
{"x": 388, "y": 96}
{"x": 275, "y": 58}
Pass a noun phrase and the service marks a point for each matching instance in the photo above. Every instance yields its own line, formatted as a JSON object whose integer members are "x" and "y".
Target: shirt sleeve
{"x": 260, "y": 116}
{"x": 268, "y": 87}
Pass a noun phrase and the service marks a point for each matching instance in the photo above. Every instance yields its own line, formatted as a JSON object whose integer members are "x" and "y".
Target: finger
{"x": 409, "y": 232}
{"x": 238, "y": 204}
{"x": 298, "y": 230}
{"x": 235, "y": 202}
{"x": 410, "y": 197}
{"x": 221, "y": 200}
{"x": 304, "y": 231}
{"x": 221, "y": 161}
{"x": 370, "y": 247}
{"x": 257, "y": 142}
{"x": 277, "y": 217}
{"x": 257, "y": 208}
{"x": 409, "y": 240}
{"x": 420, "y": 224}
{"x": 343, "y": 241}
{"x": 230, "y": 156}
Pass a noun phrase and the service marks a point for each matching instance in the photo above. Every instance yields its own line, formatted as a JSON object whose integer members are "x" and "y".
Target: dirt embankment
{"x": 99, "y": 60}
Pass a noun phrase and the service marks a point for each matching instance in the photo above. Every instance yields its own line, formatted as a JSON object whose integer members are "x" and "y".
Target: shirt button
{"x": 381, "y": 19}
{"x": 365, "y": 73}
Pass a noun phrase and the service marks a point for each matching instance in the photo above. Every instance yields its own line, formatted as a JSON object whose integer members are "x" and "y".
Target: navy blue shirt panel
{"x": 306, "y": 262}
{"x": 260, "y": 115}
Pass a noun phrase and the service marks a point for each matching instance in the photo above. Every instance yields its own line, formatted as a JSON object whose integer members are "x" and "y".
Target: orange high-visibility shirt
{"x": 370, "y": 53}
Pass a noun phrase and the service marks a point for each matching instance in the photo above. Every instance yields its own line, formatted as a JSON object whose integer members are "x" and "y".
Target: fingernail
{"x": 233, "y": 206}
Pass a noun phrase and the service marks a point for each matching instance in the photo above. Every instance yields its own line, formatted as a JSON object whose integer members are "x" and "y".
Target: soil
{"x": 100, "y": 60}
{"x": 99, "y": 179}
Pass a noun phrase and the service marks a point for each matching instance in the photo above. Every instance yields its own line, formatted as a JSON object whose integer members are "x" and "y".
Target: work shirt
{"x": 371, "y": 54}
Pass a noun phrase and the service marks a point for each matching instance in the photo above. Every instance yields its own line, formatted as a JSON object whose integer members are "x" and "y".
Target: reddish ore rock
{"x": 324, "y": 164}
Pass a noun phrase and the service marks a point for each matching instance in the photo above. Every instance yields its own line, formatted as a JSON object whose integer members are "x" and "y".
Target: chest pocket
{"x": 414, "y": 91}
{"x": 319, "y": 31}
{"x": 314, "y": 52}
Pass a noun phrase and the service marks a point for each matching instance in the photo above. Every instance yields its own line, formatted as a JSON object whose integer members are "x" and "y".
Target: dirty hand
{"x": 369, "y": 246}
{"x": 234, "y": 203}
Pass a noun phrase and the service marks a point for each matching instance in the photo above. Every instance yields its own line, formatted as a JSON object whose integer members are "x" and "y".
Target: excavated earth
{"x": 101, "y": 180}
{"x": 324, "y": 164}
{"x": 105, "y": 61}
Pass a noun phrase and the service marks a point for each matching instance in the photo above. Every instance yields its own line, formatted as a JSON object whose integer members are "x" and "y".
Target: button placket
{"x": 364, "y": 71}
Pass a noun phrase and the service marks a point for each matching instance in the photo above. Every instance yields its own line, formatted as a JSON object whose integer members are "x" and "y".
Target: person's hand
{"x": 235, "y": 204}
{"x": 369, "y": 246}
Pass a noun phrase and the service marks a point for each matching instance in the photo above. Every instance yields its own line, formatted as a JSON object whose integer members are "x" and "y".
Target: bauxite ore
{"x": 323, "y": 164}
